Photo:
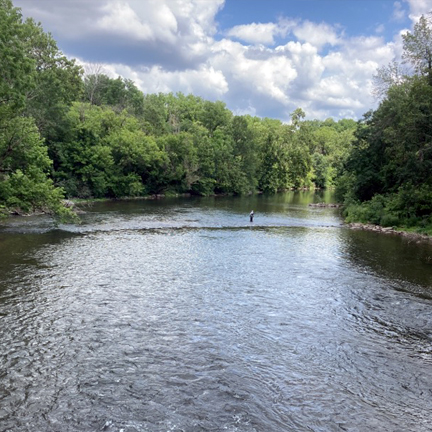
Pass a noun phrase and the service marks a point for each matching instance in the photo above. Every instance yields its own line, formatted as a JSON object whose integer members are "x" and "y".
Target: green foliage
{"x": 330, "y": 143}
{"x": 120, "y": 94}
{"x": 99, "y": 137}
{"x": 274, "y": 167}
{"x": 417, "y": 47}
{"x": 105, "y": 154}
{"x": 17, "y": 71}
{"x": 57, "y": 79}
{"x": 388, "y": 174}
{"x": 29, "y": 59}
{"x": 24, "y": 165}
{"x": 181, "y": 168}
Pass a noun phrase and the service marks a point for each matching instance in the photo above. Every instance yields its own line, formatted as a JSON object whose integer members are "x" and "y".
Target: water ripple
{"x": 205, "y": 328}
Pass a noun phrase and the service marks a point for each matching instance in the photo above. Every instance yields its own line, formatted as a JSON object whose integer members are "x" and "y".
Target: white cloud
{"x": 418, "y": 8}
{"x": 153, "y": 22}
{"x": 171, "y": 33}
{"x": 205, "y": 81}
{"x": 380, "y": 28}
{"x": 270, "y": 69}
{"x": 398, "y": 11}
{"x": 268, "y": 77}
{"x": 317, "y": 35}
{"x": 254, "y": 33}
{"x": 258, "y": 33}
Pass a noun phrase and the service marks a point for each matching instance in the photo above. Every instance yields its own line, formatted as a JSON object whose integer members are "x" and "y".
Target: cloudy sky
{"x": 261, "y": 57}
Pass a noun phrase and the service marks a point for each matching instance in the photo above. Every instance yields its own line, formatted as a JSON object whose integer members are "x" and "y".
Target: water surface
{"x": 180, "y": 315}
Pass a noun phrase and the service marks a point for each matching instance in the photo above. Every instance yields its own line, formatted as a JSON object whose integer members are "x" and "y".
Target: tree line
{"x": 69, "y": 134}
{"x": 64, "y": 133}
{"x": 387, "y": 177}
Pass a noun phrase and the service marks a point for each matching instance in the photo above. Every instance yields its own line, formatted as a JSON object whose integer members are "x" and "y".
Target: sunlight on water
{"x": 183, "y": 316}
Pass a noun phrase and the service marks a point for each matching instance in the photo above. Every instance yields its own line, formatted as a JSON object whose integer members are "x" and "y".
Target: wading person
{"x": 251, "y": 215}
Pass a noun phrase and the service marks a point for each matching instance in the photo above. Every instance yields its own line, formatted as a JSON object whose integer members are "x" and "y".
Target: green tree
{"x": 57, "y": 81}
{"x": 274, "y": 166}
{"x": 388, "y": 177}
{"x": 245, "y": 150}
{"x": 181, "y": 168}
{"x": 417, "y": 48}
{"x": 107, "y": 154}
{"x": 214, "y": 115}
{"x": 17, "y": 71}
{"x": 24, "y": 163}
{"x": 120, "y": 94}
{"x": 155, "y": 114}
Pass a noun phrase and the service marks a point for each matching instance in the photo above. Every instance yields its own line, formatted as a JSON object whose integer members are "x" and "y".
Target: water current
{"x": 181, "y": 315}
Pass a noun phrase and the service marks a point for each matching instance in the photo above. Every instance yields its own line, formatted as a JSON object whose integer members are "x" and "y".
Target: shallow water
{"x": 180, "y": 315}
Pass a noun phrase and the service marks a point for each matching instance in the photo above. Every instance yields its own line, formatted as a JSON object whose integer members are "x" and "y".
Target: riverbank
{"x": 410, "y": 236}
{"x": 325, "y": 205}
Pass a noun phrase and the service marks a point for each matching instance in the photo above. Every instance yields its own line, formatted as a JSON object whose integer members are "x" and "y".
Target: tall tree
{"x": 417, "y": 47}
{"x": 17, "y": 71}
{"x": 57, "y": 79}
{"x": 24, "y": 163}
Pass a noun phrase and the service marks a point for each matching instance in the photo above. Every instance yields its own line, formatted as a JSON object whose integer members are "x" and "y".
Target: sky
{"x": 261, "y": 57}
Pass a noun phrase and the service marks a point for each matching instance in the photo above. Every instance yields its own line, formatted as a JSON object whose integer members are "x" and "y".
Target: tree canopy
{"x": 66, "y": 134}
{"x": 387, "y": 177}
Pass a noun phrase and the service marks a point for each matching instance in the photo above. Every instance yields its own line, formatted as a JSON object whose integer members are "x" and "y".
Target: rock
{"x": 68, "y": 203}
{"x": 410, "y": 236}
{"x": 331, "y": 205}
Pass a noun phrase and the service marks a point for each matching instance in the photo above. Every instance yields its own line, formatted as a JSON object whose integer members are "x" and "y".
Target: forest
{"x": 387, "y": 177}
{"x": 65, "y": 133}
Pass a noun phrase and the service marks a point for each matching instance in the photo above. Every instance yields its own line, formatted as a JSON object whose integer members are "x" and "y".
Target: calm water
{"x": 180, "y": 315}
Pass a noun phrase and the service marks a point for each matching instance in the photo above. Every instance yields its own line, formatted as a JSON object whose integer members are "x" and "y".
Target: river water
{"x": 181, "y": 315}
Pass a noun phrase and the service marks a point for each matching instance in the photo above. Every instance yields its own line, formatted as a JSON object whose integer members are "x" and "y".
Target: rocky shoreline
{"x": 410, "y": 236}
{"x": 327, "y": 205}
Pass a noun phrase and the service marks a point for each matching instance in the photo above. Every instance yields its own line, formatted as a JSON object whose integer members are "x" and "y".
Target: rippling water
{"x": 180, "y": 315}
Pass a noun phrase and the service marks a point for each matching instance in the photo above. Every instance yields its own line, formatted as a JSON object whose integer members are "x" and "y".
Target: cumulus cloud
{"x": 398, "y": 11}
{"x": 254, "y": 33}
{"x": 418, "y": 8}
{"x": 171, "y": 33}
{"x": 317, "y": 35}
{"x": 258, "y": 33}
{"x": 266, "y": 69}
{"x": 205, "y": 81}
{"x": 121, "y": 19}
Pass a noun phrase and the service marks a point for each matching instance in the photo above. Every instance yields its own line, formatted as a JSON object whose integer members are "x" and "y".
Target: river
{"x": 181, "y": 315}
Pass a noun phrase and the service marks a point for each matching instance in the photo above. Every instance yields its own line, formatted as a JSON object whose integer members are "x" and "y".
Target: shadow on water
{"x": 180, "y": 315}
{"x": 392, "y": 256}
{"x": 242, "y": 205}
{"x": 17, "y": 252}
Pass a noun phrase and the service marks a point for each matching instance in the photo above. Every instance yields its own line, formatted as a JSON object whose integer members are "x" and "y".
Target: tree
{"x": 17, "y": 71}
{"x": 181, "y": 168}
{"x": 24, "y": 165}
{"x": 57, "y": 80}
{"x": 417, "y": 48}
{"x": 118, "y": 93}
{"x": 245, "y": 149}
{"x": 274, "y": 166}
{"x": 155, "y": 114}
{"x": 24, "y": 162}
{"x": 214, "y": 115}
{"x": 107, "y": 154}
{"x": 386, "y": 77}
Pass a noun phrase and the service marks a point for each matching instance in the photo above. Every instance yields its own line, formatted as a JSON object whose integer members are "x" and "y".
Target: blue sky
{"x": 356, "y": 16}
{"x": 261, "y": 57}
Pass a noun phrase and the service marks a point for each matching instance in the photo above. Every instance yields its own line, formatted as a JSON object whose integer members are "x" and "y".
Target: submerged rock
{"x": 410, "y": 236}
{"x": 332, "y": 205}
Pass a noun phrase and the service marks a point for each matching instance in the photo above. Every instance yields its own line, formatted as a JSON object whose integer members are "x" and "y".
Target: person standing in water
{"x": 251, "y": 216}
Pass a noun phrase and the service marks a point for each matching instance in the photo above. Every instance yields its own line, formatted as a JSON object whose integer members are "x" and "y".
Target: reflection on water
{"x": 392, "y": 256}
{"x": 181, "y": 315}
